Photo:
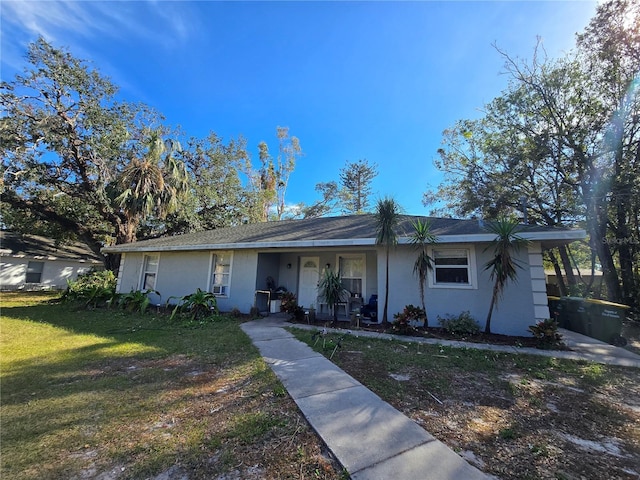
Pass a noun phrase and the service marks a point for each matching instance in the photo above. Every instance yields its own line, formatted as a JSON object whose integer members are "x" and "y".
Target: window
{"x": 352, "y": 270}
{"x": 221, "y": 276}
{"x": 34, "y": 272}
{"x": 149, "y": 272}
{"x": 453, "y": 268}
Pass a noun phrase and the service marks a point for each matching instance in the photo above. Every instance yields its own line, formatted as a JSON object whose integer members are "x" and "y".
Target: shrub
{"x": 289, "y": 302}
{"x": 463, "y": 324}
{"x": 402, "y": 320}
{"x": 546, "y": 333}
{"x": 93, "y": 289}
{"x": 198, "y": 304}
{"x": 136, "y": 300}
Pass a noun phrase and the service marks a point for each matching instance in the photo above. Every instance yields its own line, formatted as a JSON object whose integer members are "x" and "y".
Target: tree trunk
{"x": 487, "y": 325}
{"x": 385, "y": 321}
{"x": 598, "y": 234}
{"x": 422, "y": 281}
{"x": 594, "y": 188}
{"x": 562, "y": 286}
{"x": 624, "y": 238}
{"x": 568, "y": 268}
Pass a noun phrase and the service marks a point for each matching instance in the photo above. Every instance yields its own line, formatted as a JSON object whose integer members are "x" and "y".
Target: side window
{"x": 453, "y": 268}
{"x": 221, "y": 273}
{"x": 149, "y": 272}
{"x": 34, "y": 272}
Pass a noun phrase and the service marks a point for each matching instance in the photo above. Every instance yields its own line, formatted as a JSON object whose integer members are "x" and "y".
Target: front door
{"x": 308, "y": 284}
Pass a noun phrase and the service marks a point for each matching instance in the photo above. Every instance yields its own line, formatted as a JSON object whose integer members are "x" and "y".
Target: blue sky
{"x": 352, "y": 80}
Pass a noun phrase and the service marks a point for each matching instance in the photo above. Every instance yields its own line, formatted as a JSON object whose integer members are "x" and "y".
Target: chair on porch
{"x": 370, "y": 310}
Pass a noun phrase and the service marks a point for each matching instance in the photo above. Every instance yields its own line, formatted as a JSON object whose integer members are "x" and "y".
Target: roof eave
{"x": 559, "y": 237}
{"x": 242, "y": 246}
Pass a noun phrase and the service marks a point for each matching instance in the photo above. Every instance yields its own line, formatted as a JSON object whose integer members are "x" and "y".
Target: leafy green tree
{"x": 387, "y": 219}
{"x": 217, "y": 197}
{"x": 421, "y": 239}
{"x": 561, "y": 144}
{"x": 512, "y": 161}
{"x": 65, "y": 142}
{"x": 503, "y": 266}
{"x": 355, "y": 179}
{"x": 326, "y": 205}
{"x": 609, "y": 50}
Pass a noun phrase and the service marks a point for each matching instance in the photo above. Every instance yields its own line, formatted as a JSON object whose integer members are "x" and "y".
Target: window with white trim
{"x": 221, "y": 273}
{"x": 34, "y": 272}
{"x": 453, "y": 268}
{"x": 352, "y": 271}
{"x": 149, "y": 272}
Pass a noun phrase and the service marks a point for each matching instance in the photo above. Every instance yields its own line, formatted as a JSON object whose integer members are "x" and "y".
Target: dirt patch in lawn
{"x": 512, "y": 416}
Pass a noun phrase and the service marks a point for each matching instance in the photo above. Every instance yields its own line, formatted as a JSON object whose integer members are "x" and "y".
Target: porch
{"x": 300, "y": 273}
{"x": 325, "y": 320}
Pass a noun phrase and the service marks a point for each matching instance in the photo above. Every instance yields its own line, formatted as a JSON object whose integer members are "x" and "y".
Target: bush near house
{"x": 402, "y": 321}
{"x": 92, "y": 289}
{"x": 197, "y": 305}
{"x": 290, "y": 305}
{"x": 463, "y": 324}
{"x": 289, "y": 302}
{"x": 136, "y": 300}
{"x": 546, "y": 332}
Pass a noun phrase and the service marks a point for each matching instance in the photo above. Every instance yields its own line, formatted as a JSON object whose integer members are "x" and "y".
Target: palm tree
{"x": 151, "y": 184}
{"x": 503, "y": 265}
{"x": 387, "y": 219}
{"x": 421, "y": 239}
{"x": 331, "y": 290}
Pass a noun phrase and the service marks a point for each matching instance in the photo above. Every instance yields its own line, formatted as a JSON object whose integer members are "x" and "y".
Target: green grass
{"x": 441, "y": 362}
{"x": 501, "y": 406}
{"x": 86, "y": 392}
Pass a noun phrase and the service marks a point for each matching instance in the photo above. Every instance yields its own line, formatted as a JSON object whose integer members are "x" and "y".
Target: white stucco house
{"x": 32, "y": 262}
{"x": 239, "y": 263}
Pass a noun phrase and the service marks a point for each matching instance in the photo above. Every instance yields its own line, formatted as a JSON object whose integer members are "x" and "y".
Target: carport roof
{"x": 353, "y": 230}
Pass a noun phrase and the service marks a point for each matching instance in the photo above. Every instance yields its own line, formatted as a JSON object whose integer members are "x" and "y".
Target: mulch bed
{"x": 430, "y": 332}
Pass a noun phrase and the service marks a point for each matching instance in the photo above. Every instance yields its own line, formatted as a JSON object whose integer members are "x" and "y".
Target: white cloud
{"x": 77, "y": 24}
{"x": 68, "y": 23}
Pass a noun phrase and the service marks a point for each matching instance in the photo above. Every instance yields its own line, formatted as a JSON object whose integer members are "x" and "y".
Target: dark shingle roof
{"x": 323, "y": 231}
{"x": 34, "y": 246}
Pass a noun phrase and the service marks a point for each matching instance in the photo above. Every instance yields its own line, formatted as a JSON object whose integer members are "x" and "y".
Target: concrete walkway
{"x": 370, "y": 438}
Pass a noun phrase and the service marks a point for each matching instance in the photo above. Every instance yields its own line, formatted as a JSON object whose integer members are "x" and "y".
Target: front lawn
{"x": 113, "y": 395}
{"x": 514, "y": 416}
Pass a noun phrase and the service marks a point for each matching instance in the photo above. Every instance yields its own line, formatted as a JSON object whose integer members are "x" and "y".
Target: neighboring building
{"x": 31, "y": 262}
{"x": 235, "y": 263}
{"x": 584, "y": 276}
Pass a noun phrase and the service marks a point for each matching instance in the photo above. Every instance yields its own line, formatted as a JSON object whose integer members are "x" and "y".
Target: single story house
{"x": 239, "y": 263}
{"x": 32, "y": 262}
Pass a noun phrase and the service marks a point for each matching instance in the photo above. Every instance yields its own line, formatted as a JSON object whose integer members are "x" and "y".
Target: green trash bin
{"x": 556, "y": 310}
{"x": 605, "y": 319}
{"x": 576, "y": 315}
